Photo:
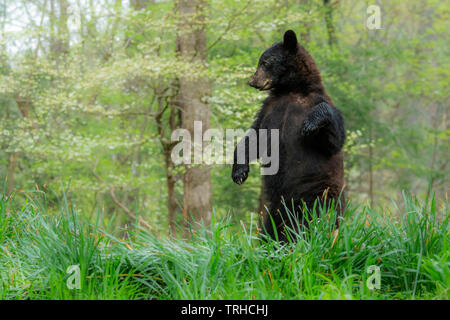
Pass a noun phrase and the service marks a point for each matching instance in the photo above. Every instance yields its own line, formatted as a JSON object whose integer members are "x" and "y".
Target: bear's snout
{"x": 260, "y": 80}
{"x": 252, "y": 83}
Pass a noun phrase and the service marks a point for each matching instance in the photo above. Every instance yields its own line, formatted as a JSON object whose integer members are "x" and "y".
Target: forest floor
{"x": 406, "y": 248}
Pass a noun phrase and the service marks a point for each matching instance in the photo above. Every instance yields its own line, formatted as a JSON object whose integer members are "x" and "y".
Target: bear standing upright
{"x": 311, "y": 135}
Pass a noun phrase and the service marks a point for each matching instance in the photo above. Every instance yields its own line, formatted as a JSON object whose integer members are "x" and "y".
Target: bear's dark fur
{"x": 311, "y": 134}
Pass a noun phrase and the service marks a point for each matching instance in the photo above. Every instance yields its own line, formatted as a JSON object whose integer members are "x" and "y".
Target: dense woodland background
{"x": 90, "y": 92}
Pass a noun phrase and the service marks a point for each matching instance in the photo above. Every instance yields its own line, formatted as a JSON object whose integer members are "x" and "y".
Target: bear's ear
{"x": 290, "y": 41}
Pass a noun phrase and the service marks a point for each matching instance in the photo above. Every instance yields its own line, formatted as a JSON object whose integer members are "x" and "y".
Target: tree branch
{"x": 120, "y": 204}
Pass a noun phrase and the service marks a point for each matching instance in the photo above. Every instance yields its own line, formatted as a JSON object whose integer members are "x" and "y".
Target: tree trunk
{"x": 305, "y": 29}
{"x": 11, "y": 171}
{"x": 329, "y": 22}
{"x": 174, "y": 122}
{"x": 140, "y": 4}
{"x": 371, "y": 200}
{"x": 191, "y": 46}
{"x": 171, "y": 201}
{"x": 63, "y": 26}
{"x": 59, "y": 29}
{"x": 24, "y": 106}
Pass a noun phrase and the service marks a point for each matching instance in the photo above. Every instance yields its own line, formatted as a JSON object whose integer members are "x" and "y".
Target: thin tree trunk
{"x": 137, "y": 5}
{"x": 141, "y": 4}
{"x": 171, "y": 201}
{"x": 329, "y": 22}
{"x": 59, "y": 29}
{"x": 165, "y": 104}
{"x": 435, "y": 124}
{"x": 305, "y": 30}
{"x": 174, "y": 122}
{"x": 11, "y": 172}
{"x": 24, "y": 106}
{"x": 370, "y": 168}
{"x": 191, "y": 45}
{"x": 63, "y": 27}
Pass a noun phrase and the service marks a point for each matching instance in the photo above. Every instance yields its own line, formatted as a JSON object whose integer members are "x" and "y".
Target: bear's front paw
{"x": 310, "y": 127}
{"x": 240, "y": 173}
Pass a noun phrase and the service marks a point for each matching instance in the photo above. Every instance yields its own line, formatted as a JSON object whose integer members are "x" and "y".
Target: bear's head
{"x": 285, "y": 66}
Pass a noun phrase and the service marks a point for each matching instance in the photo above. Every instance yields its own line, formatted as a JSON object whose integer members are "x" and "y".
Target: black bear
{"x": 311, "y": 135}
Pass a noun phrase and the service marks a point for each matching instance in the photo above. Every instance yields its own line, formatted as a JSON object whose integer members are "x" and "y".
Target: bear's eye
{"x": 265, "y": 63}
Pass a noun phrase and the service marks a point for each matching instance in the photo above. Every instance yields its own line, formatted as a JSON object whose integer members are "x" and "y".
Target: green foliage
{"x": 94, "y": 106}
{"x": 88, "y": 115}
{"x": 37, "y": 249}
{"x": 227, "y": 261}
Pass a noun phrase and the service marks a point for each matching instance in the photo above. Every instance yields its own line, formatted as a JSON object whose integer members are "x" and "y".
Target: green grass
{"x": 409, "y": 244}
